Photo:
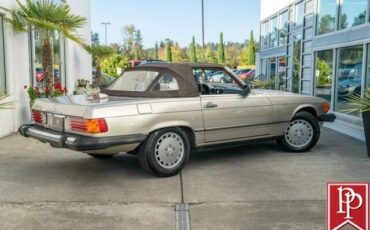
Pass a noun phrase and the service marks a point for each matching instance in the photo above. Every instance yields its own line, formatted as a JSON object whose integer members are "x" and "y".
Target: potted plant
{"x": 363, "y": 107}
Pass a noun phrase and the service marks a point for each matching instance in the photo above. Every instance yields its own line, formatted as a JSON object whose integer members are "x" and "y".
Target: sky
{"x": 178, "y": 20}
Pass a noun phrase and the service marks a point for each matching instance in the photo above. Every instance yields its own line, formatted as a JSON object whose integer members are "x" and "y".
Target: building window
{"x": 352, "y": 13}
{"x": 349, "y": 76}
{"x": 39, "y": 37}
{"x": 327, "y": 10}
{"x": 283, "y": 28}
{"x": 265, "y": 35}
{"x": 274, "y": 32}
{"x": 282, "y": 74}
{"x": 323, "y": 74}
{"x": 297, "y": 53}
{"x": 2, "y": 57}
{"x": 299, "y": 13}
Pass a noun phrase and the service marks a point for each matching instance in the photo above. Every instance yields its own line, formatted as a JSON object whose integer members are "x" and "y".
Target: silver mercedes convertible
{"x": 163, "y": 111}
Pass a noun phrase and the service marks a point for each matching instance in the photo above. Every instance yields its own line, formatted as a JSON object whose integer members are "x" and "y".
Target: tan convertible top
{"x": 183, "y": 72}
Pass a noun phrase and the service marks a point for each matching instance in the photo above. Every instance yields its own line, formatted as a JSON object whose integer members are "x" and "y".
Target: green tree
{"x": 193, "y": 51}
{"x": 99, "y": 53}
{"x": 50, "y": 18}
{"x": 169, "y": 51}
{"x": 156, "y": 52}
{"x": 221, "y": 50}
{"x": 129, "y": 32}
{"x": 210, "y": 55}
{"x": 244, "y": 59}
{"x": 110, "y": 64}
{"x": 324, "y": 72}
{"x": 138, "y": 45}
{"x": 251, "y": 50}
{"x": 326, "y": 24}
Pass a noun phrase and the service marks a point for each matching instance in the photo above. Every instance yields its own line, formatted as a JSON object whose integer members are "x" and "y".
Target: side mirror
{"x": 246, "y": 89}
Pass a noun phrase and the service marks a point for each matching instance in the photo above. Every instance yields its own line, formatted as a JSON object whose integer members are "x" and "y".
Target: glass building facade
{"x": 325, "y": 45}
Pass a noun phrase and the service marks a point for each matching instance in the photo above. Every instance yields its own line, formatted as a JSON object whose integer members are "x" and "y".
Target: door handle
{"x": 210, "y": 105}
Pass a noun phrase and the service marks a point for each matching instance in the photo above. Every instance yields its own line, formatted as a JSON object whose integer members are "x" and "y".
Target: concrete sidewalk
{"x": 249, "y": 187}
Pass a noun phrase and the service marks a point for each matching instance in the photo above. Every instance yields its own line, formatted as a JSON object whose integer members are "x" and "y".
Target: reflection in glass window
{"x": 327, "y": 11}
{"x": 299, "y": 13}
{"x": 134, "y": 81}
{"x": 39, "y": 37}
{"x": 323, "y": 73}
{"x": 349, "y": 75}
{"x": 272, "y": 74}
{"x": 2, "y": 58}
{"x": 352, "y": 13}
{"x": 166, "y": 83}
{"x": 266, "y": 34}
{"x": 282, "y": 74}
{"x": 283, "y": 28}
{"x": 297, "y": 51}
{"x": 274, "y": 32}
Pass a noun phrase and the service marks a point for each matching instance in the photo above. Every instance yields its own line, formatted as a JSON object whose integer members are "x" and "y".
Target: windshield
{"x": 134, "y": 81}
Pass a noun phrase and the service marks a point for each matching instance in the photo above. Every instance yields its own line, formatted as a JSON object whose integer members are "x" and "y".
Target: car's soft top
{"x": 183, "y": 72}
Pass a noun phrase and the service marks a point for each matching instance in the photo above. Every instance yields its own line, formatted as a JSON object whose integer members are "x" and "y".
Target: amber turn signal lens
{"x": 325, "y": 106}
{"x": 89, "y": 125}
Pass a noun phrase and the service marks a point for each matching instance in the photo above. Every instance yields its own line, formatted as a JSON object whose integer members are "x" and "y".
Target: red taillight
{"x": 38, "y": 117}
{"x": 89, "y": 125}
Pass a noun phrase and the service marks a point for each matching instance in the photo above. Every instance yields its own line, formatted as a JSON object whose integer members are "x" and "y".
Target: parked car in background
{"x": 246, "y": 75}
{"x": 161, "y": 112}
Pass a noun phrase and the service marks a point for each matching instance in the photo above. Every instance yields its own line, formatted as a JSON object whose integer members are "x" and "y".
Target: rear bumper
{"x": 77, "y": 142}
{"x": 328, "y": 117}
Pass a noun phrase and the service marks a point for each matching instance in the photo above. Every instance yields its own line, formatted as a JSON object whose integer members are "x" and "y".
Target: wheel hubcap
{"x": 169, "y": 150}
{"x": 299, "y": 133}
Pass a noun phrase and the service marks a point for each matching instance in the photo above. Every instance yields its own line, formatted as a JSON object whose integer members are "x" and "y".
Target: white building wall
{"x": 17, "y": 64}
{"x": 78, "y": 61}
{"x": 269, "y": 7}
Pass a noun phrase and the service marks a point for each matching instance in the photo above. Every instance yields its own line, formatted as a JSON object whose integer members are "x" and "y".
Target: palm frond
{"x": 99, "y": 51}
{"x": 6, "y": 105}
{"x": 360, "y": 104}
{"x": 47, "y": 15}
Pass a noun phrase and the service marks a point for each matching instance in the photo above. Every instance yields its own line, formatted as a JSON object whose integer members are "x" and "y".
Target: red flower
{"x": 65, "y": 90}
{"x": 25, "y": 87}
{"x": 58, "y": 86}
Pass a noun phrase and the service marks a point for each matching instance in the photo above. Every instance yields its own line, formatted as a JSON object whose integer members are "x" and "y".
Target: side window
{"x": 166, "y": 83}
{"x": 216, "y": 81}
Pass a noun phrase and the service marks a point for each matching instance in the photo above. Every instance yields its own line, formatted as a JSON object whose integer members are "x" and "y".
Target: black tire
{"x": 286, "y": 144}
{"x": 100, "y": 156}
{"x": 148, "y": 158}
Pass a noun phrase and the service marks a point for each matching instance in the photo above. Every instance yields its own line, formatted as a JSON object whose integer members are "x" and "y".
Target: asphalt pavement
{"x": 256, "y": 186}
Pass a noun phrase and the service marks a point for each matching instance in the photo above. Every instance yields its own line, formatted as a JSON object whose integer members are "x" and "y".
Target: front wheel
{"x": 302, "y": 133}
{"x": 165, "y": 152}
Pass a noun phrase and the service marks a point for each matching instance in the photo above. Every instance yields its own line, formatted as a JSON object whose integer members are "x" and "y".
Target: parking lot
{"x": 257, "y": 186}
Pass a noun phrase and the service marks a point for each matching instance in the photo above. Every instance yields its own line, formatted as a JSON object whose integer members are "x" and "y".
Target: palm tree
{"x": 99, "y": 52}
{"x": 49, "y": 18}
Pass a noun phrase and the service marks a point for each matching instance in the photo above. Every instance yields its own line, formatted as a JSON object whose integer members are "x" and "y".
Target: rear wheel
{"x": 302, "y": 133}
{"x": 100, "y": 156}
{"x": 165, "y": 152}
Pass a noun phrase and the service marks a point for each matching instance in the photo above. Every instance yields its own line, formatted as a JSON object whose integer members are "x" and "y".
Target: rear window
{"x": 134, "y": 81}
